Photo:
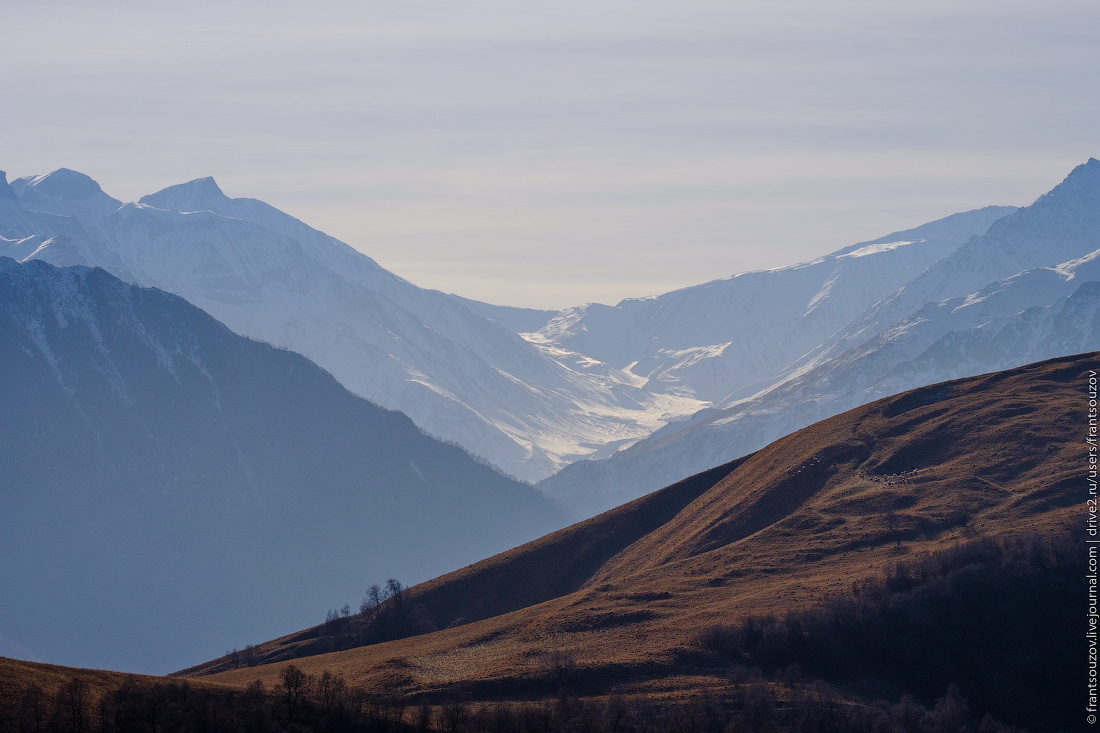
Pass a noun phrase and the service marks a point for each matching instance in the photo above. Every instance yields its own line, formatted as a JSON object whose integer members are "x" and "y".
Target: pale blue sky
{"x": 553, "y": 153}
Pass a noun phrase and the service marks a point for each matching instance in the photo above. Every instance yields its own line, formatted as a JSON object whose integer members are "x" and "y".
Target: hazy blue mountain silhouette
{"x": 170, "y": 489}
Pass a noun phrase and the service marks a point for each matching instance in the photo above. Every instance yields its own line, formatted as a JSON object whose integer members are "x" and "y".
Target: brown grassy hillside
{"x": 615, "y": 603}
{"x": 17, "y": 676}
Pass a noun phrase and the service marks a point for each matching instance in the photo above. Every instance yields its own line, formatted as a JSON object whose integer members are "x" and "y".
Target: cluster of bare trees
{"x": 327, "y": 704}
{"x": 372, "y": 602}
{"x": 385, "y": 613}
{"x": 753, "y": 705}
{"x": 298, "y": 703}
{"x": 246, "y": 657}
{"x": 375, "y": 603}
{"x": 989, "y": 615}
{"x": 68, "y": 710}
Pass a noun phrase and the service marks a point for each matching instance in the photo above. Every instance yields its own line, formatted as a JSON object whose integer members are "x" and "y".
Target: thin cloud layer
{"x": 548, "y": 155}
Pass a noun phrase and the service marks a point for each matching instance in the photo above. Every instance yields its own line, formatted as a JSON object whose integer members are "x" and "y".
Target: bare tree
{"x": 72, "y": 706}
{"x": 396, "y": 593}
{"x": 295, "y": 684}
{"x": 370, "y": 604}
{"x": 32, "y": 709}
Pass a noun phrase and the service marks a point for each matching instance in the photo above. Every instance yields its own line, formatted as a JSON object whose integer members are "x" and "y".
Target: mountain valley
{"x": 949, "y": 322}
{"x": 625, "y": 597}
{"x": 782, "y": 471}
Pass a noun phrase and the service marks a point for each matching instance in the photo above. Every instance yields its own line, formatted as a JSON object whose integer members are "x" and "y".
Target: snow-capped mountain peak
{"x": 591, "y": 379}
{"x": 67, "y": 193}
{"x": 201, "y": 194}
{"x": 64, "y": 183}
{"x": 715, "y": 340}
{"x": 1028, "y": 289}
{"x": 456, "y": 371}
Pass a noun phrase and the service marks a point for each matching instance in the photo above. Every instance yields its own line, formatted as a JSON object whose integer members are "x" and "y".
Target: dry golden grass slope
{"x": 16, "y": 676}
{"x": 617, "y": 599}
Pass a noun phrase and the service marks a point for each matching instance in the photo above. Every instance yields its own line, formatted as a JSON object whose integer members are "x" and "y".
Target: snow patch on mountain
{"x": 872, "y": 249}
{"x": 530, "y": 391}
{"x": 722, "y": 340}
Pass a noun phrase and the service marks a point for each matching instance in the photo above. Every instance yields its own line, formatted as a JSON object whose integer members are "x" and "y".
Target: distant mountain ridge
{"x": 973, "y": 311}
{"x": 638, "y": 386}
{"x": 171, "y": 489}
{"x": 716, "y": 339}
{"x": 531, "y": 404}
{"x": 452, "y": 365}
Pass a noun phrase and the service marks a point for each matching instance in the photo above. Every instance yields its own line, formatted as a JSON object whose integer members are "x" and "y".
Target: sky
{"x": 549, "y": 154}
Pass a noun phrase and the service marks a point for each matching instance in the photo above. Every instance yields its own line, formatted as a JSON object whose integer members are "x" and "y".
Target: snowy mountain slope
{"x": 1035, "y": 314}
{"x": 458, "y": 373}
{"x": 716, "y": 339}
{"x": 518, "y": 320}
{"x": 170, "y": 489}
{"x": 53, "y": 225}
{"x": 588, "y": 382}
{"x": 1066, "y": 326}
{"x": 17, "y": 223}
{"x": 66, "y": 193}
{"x": 1061, "y": 225}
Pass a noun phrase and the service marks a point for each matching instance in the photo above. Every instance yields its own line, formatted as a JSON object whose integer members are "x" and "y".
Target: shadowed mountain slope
{"x": 454, "y": 366}
{"x": 542, "y": 570}
{"x": 170, "y": 489}
{"x": 996, "y": 455}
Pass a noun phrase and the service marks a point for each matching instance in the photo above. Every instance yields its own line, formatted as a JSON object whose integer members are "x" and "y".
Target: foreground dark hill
{"x": 169, "y": 489}
{"x": 621, "y": 601}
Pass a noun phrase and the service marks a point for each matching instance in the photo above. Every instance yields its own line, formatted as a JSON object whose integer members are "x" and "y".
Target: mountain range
{"x": 529, "y": 391}
{"x": 601, "y": 404}
{"x": 173, "y": 488}
{"x": 1023, "y": 291}
{"x": 451, "y": 365}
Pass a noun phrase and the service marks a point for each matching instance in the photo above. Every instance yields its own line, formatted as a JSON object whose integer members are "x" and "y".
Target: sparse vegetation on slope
{"x": 103, "y": 702}
{"x": 779, "y": 532}
{"x": 547, "y": 568}
{"x": 989, "y": 616}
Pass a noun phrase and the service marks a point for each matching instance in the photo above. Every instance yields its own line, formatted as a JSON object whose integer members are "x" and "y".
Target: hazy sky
{"x": 553, "y": 153}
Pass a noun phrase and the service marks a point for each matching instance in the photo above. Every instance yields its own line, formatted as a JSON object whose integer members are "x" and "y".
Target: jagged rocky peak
{"x": 6, "y": 191}
{"x": 1084, "y": 177}
{"x": 1081, "y": 186}
{"x": 197, "y": 195}
{"x": 1073, "y": 202}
